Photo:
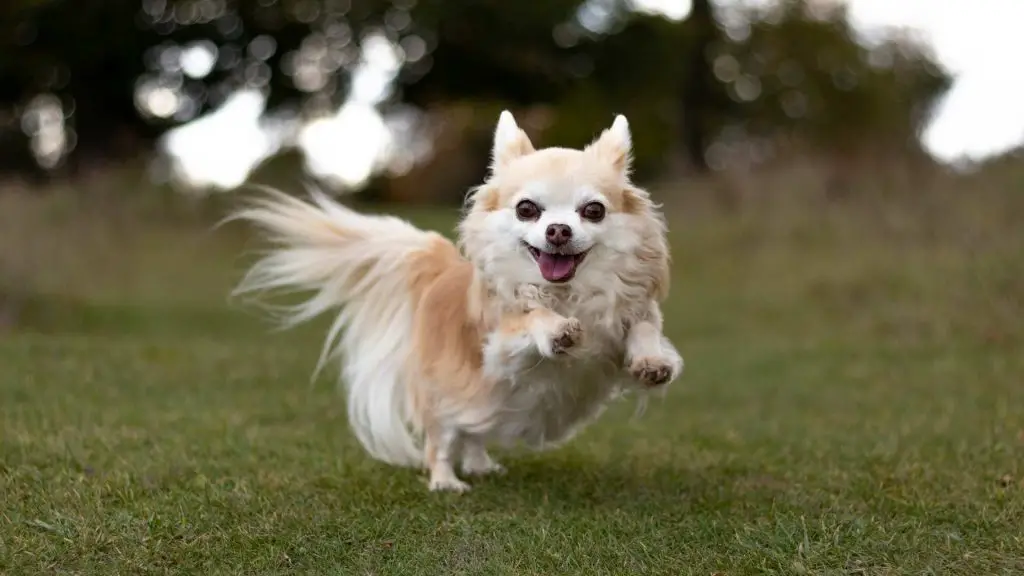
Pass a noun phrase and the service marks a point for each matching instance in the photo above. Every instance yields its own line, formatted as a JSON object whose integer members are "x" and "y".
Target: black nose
{"x": 558, "y": 234}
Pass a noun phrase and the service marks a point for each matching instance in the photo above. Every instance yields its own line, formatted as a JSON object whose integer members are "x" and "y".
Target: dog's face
{"x": 559, "y": 216}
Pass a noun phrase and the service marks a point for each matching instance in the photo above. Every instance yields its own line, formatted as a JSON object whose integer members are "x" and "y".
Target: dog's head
{"x": 560, "y": 216}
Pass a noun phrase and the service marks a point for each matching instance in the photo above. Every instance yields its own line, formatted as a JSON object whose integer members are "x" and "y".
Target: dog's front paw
{"x": 652, "y": 371}
{"x": 564, "y": 335}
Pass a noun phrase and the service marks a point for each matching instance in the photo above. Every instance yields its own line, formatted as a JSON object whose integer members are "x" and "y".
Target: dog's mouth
{"x": 556, "y": 267}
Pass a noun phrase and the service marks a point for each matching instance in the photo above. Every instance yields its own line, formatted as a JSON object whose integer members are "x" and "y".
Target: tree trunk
{"x": 698, "y": 84}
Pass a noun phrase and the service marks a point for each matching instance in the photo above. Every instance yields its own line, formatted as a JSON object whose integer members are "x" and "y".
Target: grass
{"x": 853, "y": 404}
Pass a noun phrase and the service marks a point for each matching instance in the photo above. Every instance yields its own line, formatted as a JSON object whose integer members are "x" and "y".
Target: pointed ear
{"x": 615, "y": 145}
{"x": 510, "y": 142}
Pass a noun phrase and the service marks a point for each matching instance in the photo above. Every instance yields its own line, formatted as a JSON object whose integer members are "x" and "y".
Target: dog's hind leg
{"x": 442, "y": 444}
{"x": 475, "y": 459}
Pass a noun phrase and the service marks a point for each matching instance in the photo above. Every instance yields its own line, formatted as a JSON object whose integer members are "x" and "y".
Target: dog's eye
{"x": 527, "y": 210}
{"x": 593, "y": 211}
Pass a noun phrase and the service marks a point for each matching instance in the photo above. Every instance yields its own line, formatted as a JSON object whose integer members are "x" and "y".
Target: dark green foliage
{"x": 787, "y": 75}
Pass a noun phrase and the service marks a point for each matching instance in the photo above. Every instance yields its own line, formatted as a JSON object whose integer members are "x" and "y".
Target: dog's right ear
{"x": 510, "y": 142}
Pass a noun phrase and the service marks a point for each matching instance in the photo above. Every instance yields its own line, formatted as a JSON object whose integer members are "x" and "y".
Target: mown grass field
{"x": 853, "y": 403}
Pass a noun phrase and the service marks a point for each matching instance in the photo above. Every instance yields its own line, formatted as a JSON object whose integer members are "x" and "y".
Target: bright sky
{"x": 979, "y": 41}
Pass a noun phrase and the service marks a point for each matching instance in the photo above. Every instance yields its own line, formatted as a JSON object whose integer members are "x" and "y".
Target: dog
{"x": 521, "y": 332}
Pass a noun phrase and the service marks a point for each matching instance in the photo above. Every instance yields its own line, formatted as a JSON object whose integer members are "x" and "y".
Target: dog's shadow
{"x": 578, "y": 481}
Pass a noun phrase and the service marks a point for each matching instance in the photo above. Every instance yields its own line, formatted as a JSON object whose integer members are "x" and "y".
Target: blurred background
{"x": 171, "y": 103}
{"x": 365, "y": 94}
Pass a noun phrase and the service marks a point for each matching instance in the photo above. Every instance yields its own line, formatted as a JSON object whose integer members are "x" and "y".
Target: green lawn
{"x": 853, "y": 403}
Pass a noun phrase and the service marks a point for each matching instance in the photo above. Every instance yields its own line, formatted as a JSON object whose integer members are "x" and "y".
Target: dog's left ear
{"x": 615, "y": 145}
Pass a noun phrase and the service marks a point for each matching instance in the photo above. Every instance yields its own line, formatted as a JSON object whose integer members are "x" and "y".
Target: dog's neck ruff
{"x": 554, "y": 296}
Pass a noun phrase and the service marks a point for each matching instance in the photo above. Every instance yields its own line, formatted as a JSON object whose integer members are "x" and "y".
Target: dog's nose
{"x": 558, "y": 234}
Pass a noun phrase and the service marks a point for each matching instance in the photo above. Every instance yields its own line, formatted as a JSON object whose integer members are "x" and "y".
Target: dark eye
{"x": 593, "y": 212}
{"x": 527, "y": 210}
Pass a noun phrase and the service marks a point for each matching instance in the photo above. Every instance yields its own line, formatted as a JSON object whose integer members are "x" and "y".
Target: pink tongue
{"x": 555, "y": 267}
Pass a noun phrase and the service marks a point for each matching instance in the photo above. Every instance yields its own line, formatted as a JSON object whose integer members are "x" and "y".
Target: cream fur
{"x": 447, "y": 348}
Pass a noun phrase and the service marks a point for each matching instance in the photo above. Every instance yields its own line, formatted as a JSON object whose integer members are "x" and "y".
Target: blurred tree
{"x": 492, "y": 50}
{"x": 88, "y": 81}
{"x": 799, "y": 76}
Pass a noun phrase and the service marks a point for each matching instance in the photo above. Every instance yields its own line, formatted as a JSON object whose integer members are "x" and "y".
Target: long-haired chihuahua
{"x": 545, "y": 309}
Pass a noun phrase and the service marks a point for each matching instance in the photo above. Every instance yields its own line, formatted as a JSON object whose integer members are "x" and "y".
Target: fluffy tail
{"x": 358, "y": 265}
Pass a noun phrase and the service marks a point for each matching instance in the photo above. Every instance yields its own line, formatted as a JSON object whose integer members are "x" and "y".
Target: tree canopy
{"x": 116, "y": 74}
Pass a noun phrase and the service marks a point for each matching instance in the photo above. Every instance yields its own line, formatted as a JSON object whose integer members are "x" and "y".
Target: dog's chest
{"x": 603, "y": 323}
{"x": 547, "y": 403}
